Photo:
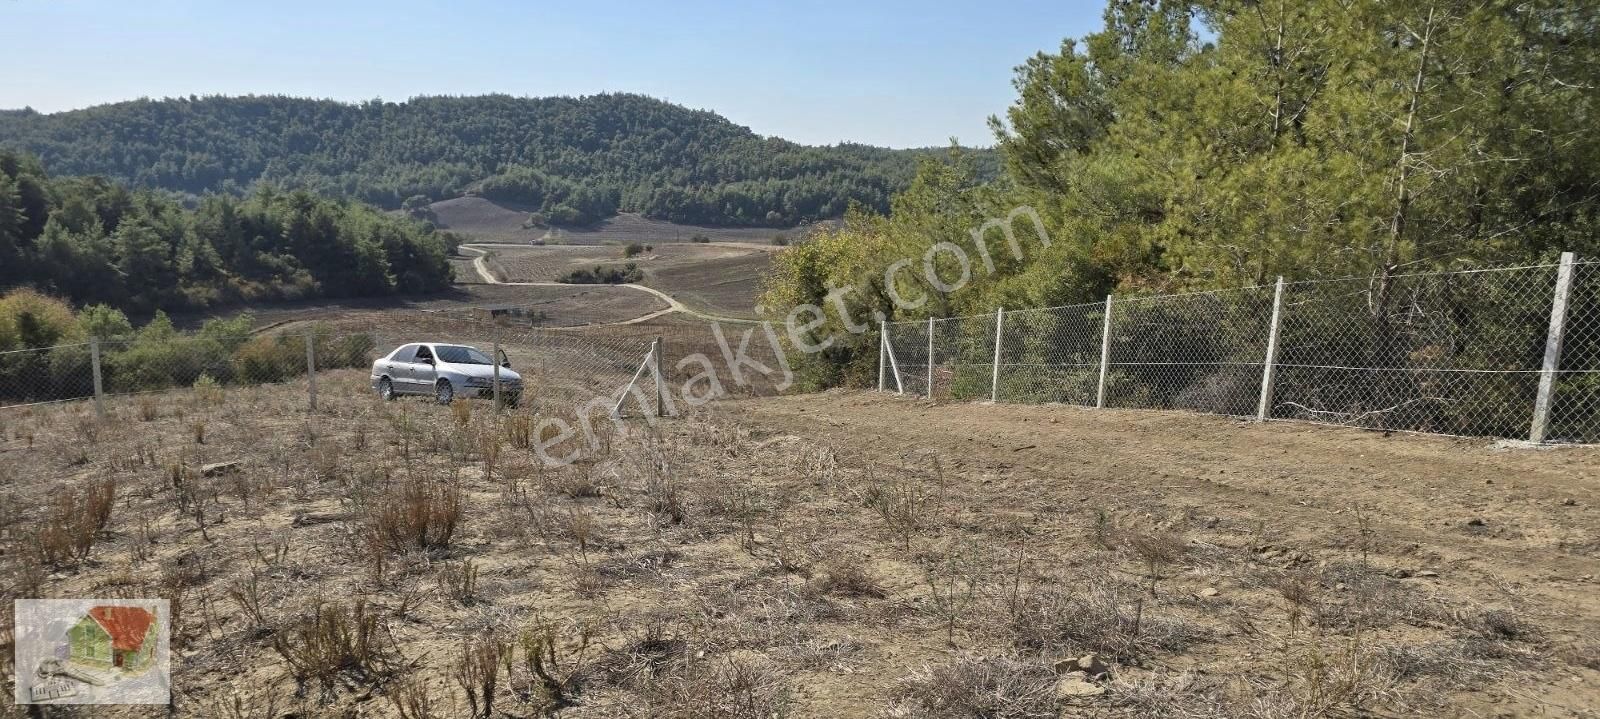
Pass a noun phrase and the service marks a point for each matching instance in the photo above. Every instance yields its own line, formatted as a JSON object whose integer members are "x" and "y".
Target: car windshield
{"x": 455, "y": 354}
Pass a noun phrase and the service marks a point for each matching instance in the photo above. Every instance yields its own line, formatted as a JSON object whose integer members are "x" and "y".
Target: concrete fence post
{"x": 655, "y": 369}
{"x": 994, "y": 380}
{"x": 1105, "y": 357}
{"x": 883, "y": 353}
{"x": 1269, "y": 364}
{"x": 94, "y": 367}
{"x": 930, "y": 358}
{"x": 894, "y": 364}
{"x": 1552, "y": 350}
{"x": 495, "y": 358}
{"x": 311, "y": 369}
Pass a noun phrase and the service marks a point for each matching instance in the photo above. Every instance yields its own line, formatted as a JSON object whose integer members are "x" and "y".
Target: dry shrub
{"x": 459, "y": 580}
{"x": 478, "y": 673}
{"x": 1326, "y": 678}
{"x": 976, "y": 686}
{"x": 412, "y": 699}
{"x": 74, "y": 520}
{"x": 1170, "y": 696}
{"x": 417, "y": 513}
{"x": 247, "y": 593}
{"x": 1156, "y": 549}
{"x": 461, "y": 412}
{"x": 519, "y": 431}
{"x": 729, "y": 689}
{"x": 652, "y": 653}
{"x": 901, "y": 502}
{"x": 846, "y": 577}
{"x": 554, "y": 669}
{"x": 332, "y": 644}
{"x": 237, "y": 705}
{"x": 1096, "y": 615}
{"x": 576, "y": 481}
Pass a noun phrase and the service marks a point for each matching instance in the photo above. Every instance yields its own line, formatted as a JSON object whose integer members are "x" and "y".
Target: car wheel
{"x": 444, "y": 392}
{"x": 385, "y": 389}
{"x": 511, "y": 400}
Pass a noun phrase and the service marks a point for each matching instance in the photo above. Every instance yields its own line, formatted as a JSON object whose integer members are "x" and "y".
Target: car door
{"x": 422, "y": 370}
{"x": 399, "y": 368}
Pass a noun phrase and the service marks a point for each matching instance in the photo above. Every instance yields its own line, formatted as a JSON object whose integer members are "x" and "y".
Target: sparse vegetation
{"x": 697, "y": 567}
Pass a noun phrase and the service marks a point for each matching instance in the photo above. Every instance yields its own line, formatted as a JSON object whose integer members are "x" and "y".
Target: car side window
{"x": 407, "y": 353}
{"x": 424, "y": 354}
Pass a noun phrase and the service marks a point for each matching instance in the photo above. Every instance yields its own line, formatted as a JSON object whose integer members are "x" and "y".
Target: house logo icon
{"x": 92, "y": 651}
{"x": 121, "y": 637}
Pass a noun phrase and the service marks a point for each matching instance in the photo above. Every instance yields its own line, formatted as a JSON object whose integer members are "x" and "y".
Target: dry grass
{"x": 332, "y": 643}
{"x": 415, "y": 561}
{"x": 1001, "y": 687}
{"x": 419, "y": 513}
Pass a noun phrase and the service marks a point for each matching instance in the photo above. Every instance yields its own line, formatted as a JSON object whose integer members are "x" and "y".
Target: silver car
{"x": 445, "y": 371}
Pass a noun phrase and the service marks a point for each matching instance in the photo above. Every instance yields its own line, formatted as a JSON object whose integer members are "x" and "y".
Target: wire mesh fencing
{"x": 632, "y": 369}
{"x": 1050, "y": 355}
{"x": 162, "y": 362}
{"x": 1458, "y": 353}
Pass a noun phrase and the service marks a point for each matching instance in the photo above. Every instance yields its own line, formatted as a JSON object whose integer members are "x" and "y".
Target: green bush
{"x": 602, "y": 275}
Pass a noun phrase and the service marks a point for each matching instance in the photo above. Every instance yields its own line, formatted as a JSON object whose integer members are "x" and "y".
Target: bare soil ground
{"x": 489, "y": 221}
{"x": 835, "y": 555}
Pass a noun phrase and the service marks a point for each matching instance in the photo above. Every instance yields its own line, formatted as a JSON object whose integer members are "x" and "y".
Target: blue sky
{"x": 900, "y": 74}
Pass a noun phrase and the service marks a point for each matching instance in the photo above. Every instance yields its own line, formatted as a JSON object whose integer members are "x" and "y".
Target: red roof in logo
{"x": 126, "y": 625}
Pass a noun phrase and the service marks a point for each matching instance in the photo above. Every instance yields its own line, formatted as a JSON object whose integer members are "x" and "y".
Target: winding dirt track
{"x": 673, "y": 305}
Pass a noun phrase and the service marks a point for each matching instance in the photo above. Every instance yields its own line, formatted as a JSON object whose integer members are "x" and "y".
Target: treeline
{"x": 48, "y": 357}
{"x": 575, "y": 159}
{"x": 95, "y": 241}
{"x": 1307, "y": 138}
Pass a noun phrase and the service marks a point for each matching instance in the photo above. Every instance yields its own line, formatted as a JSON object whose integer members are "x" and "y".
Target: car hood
{"x": 479, "y": 370}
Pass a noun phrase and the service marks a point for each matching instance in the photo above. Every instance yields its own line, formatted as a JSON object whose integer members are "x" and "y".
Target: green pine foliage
{"x": 575, "y": 160}
{"x": 95, "y": 241}
{"x": 1220, "y": 143}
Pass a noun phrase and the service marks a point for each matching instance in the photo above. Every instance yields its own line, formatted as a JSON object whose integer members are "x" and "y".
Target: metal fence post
{"x": 495, "y": 358}
{"x": 661, "y": 394}
{"x": 311, "y": 368}
{"x": 930, "y": 358}
{"x": 883, "y": 353}
{"x": 1105, "y": 357}
{"x": 994, "y": 381}
{"x": 1552, "y": 350}
{"x": 94, "y": 364}
{"x": 1269, "y": 365}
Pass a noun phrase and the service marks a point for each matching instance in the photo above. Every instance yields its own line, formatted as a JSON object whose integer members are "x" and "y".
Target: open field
{"x": 488, "y": 221}
{"x": 835, "y": 555}
{"x": 563, "y": 306}
{"x": 721, "y": 278}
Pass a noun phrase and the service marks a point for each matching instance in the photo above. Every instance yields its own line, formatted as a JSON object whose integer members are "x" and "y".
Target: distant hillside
{"x": 573, "y": 160}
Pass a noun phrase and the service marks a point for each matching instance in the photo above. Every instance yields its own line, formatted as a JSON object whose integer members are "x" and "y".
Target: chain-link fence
{"x": 1460, "y": 353}
{"x": 633, "y": 369}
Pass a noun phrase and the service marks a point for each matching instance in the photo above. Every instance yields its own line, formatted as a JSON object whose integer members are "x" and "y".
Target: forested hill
{"x": 576, "y": 159}
{"x": 96, "y": 242}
